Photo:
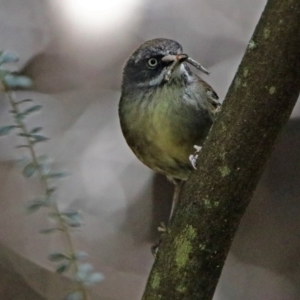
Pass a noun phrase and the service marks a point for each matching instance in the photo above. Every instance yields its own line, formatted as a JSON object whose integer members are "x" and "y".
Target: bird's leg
{"x": 162, "y": 227}
{"x": 193, "y": 157}
{"x": 177, "y": 188}
{"x": 178, "y": 184}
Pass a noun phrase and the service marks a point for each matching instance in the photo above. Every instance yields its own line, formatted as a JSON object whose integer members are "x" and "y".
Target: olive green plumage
{"x": 162, "y": 120}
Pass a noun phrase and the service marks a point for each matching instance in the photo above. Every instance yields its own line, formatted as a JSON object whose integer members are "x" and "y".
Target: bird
{"x": 165, "y": 109}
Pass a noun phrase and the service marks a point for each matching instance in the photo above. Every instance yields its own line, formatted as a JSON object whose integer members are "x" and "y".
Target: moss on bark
{"x": 258, "y": 104}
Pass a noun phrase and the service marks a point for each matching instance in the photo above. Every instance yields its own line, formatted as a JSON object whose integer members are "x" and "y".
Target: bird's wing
{"x": 213, "y": 97}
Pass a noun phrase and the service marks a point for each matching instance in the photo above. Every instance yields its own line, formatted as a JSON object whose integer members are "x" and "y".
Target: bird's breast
{"x": 161, "y": 128}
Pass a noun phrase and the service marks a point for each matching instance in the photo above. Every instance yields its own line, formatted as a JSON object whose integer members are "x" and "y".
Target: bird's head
{"x": 156, "y": 62}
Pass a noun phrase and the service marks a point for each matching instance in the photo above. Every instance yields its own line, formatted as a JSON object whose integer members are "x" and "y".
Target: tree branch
{"x": 258, "y": 104}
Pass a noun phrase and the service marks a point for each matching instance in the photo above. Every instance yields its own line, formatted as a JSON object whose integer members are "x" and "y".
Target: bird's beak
{"x": 175, "y": 61}
{"x": 179, "y": 58}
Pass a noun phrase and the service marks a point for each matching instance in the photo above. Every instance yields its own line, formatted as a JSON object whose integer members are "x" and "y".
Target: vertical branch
{"x": 258, "y": 104}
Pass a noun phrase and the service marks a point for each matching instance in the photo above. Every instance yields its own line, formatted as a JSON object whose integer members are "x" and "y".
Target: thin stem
{"x": 67, "y": 240}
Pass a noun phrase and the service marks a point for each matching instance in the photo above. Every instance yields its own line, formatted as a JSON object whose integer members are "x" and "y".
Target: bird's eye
{"x": 152, "y": 62}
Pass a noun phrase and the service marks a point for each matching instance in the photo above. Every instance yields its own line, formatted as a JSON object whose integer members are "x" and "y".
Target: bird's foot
{"x": 155, "y": 247}
{"x": 193, "y": 157}
{"x": 161, "y": 228}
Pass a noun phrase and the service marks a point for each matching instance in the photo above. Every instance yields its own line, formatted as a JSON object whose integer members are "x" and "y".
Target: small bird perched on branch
{"x": 165, "y": 109}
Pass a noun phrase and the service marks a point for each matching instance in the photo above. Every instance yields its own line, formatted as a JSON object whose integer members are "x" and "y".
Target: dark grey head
{"x": 148, "y": 63}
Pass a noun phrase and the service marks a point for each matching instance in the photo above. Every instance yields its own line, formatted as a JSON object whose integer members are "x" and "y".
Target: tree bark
{"x": 258, "y": 104}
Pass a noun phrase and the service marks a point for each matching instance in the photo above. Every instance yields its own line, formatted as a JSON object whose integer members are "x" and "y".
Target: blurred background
{"x": 74, "y": 50}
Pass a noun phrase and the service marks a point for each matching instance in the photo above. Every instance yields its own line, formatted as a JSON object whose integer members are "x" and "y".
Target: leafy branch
{"x": 41, "y": 167}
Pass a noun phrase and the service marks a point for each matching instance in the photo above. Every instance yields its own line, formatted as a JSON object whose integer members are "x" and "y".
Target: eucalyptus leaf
{"x": 50, "y": 191}
{"x": 63, "y": 267}
{"x": 14, "y": 81}
{"x": 24, "y": 134}
{"x": 32, "y": 109}
{"x": 74, "y": 224}
{"x": 80, "y": 255}
{"x": 45, "y": 168}
{"x": 93, "y": 279}
{"x": 74, "y": 218}
{"x": 8, "y": 57}
{"x": 23, "y": 101}
{"x": 22, "y": 146}
{"x": 84, "y": 270}
{"x": 29, "y": 170}
{"x": 57, "y": 175}
{"x": 39, "y": 138}
{"x": 50, "y": 230}
{"x": 36, "y": 130}
{"x": 19, "y": 117}
{"x": 7, "y": 129}
{"x": 57, "y": 256}
{"x": 34, "y": 205}
{"x": 72, "y": 214}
